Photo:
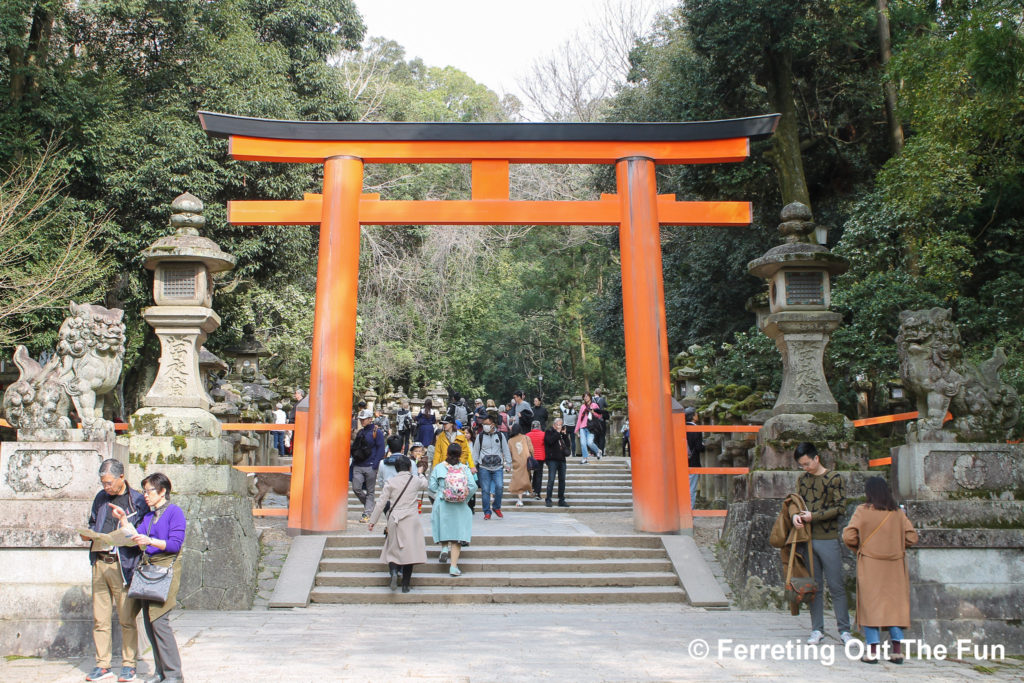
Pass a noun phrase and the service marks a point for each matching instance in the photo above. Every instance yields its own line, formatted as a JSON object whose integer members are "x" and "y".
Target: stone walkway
{"x": 508, "y": 642}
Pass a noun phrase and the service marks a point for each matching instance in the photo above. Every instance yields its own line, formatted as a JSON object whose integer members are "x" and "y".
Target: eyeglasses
{"x": 148, "y": 490}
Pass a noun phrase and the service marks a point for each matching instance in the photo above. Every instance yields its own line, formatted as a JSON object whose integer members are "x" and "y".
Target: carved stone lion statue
{"x": 86, "y": 367}
{"x": 933, "y": 369}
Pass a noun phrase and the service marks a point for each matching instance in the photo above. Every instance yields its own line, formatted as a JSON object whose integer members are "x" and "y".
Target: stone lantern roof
{"x": 186, "y": 244}
{"x": 799, "y": 250}
{"x": 249, "y": 345}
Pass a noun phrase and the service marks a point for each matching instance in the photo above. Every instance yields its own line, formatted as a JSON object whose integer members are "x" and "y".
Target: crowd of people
{"x": 459, "y": 452}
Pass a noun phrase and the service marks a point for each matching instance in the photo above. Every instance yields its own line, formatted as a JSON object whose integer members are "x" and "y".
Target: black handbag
{"x": 151, "y": 582}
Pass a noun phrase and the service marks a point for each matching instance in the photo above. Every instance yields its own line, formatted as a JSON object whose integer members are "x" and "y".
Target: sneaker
{"x": 487, "y": 515}
{"x": 443, "y": 557}
{"x": 562, "y": 504}
{"x": 815, "y": 637}
{"x": 364, "y": 519}
{"x": 99, "y": 674}
{"x": 584, "y": 462}
{"x": 547, "y": 503}
{"x": 600, "y": 454}
{"x": 846, "y": 637}
{"x": 454, "y": 571}
{"x": 127, "y": 674}
{"x": 519, "y": 503}
{"x": 500, "y": 516}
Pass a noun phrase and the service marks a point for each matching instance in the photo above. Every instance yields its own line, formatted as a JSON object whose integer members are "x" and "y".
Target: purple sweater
{"x": 170, "y": 527}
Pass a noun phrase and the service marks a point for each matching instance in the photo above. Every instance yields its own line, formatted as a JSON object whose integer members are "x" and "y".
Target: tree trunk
{"x": 583, "y": 356}
{"x": 16, "y": 62}
{"x": 892, "y": 113}
{"x": 786, "y": 154}
{"x": 38, "y": 46}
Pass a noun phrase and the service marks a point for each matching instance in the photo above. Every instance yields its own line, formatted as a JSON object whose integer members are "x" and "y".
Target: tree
{"x": 46, "y": 257}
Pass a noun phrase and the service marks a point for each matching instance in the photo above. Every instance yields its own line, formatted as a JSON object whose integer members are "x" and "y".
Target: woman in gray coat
{"x": 403, "y": 544}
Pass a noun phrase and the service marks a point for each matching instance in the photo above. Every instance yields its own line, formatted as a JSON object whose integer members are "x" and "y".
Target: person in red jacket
{"x": 536, "y": 436}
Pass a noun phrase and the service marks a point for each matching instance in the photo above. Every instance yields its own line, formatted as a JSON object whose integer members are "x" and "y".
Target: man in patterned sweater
{"x": 825, "y": 496}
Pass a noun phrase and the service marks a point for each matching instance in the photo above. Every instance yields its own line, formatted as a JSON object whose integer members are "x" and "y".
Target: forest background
{"x": 902, "y": 128}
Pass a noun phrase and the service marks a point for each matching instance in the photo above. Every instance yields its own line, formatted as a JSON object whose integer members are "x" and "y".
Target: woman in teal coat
{"x": 451, "y": 523}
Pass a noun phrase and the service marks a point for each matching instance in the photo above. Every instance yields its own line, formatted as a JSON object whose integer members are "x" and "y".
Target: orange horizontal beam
{"x": 719, "y": 470}
{"x": 878, "y": 462}
{"x": 256, "y": 427}
{"x": 514, "y": 151}
{"x": 278, "y": 469}
{"x": 709, "y": 513}
{"x": 723, "y": 428}
{"x": 270, "y": 512}
{"x": 884, "y": 419}
{"x": 487, "y": 212}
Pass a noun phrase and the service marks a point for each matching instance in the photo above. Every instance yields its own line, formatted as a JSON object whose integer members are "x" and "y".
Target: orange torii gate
{"x": 661, "y": 494}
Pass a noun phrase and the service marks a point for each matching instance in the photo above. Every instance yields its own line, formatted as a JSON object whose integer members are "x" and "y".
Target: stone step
{"x": 487, "y": 578}
{"x": 468, "y": 562}
{"x": 479, "y": 551}
{"x": 462, "y": 594}
{"x": 537, "y": 505}
{"x": 630, "y": 541}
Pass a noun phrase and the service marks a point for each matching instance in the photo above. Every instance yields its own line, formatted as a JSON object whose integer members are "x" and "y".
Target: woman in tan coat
{"x": 403, "y": 545}
{"x": 879, "y": 532}
{"x": 522, "y": 448}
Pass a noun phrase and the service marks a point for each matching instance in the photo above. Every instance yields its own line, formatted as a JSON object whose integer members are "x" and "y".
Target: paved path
{"x": 501, "y": 643}
{"x": 507, "y": 642}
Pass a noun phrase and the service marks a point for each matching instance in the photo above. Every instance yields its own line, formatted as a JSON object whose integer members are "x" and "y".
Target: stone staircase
{"x": 599, "y": 486}
{"x": 506, "y": 569}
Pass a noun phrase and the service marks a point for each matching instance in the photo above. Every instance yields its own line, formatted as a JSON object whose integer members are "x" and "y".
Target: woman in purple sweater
{"x": 161, "y": 535}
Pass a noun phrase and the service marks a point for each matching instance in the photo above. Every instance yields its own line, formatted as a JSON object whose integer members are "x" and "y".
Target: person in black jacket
{"x": 112, "y": 570}
{"x": 695, "y": 446}
{"x": 556, "y": 450}
{"x": 540, "y": 413}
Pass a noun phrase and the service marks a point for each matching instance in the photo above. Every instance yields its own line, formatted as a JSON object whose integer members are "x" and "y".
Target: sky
{"x": 494, "y": 42}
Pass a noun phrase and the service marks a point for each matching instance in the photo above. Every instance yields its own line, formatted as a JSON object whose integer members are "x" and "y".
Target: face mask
{"x": 487, "y": 429}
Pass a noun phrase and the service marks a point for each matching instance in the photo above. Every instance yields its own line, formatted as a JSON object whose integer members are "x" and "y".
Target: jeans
{"x": 537, "y": 477}
{"x": 556, "y": 466}
{"x": 828, "y": 567}
{"x": 364, "y": 481}
{"x": 279, "y": 442}
{"x": 572, "y": 440}
{"x": 694, "y": 480}
{"x": 491, "y": 484}
{"x": 873, "y": 634}
{"x": 587, "y": 442}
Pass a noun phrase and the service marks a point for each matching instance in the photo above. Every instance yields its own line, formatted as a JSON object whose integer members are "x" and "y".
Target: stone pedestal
{"x": 801, "y": 337}
{"x": 182, "y": 331}
{"x": 936, "y": 471}
{"x": 46, "y": 491}
{"x": 966, "y": 573}
{"x": 177, "y": 436}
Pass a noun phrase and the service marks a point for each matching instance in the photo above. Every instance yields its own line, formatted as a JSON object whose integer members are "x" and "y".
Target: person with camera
{"x": 823, "y": 492}
{"x": 403, "y": 534}
{"x": 556, "y": 450}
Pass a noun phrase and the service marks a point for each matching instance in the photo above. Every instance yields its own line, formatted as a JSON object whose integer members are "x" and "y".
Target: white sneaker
{"x": 815, "y": 638}
{"x": 846, "y": 637}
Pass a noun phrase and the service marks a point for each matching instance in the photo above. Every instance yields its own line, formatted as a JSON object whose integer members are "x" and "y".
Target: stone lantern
{"x": 246, "y": 355}
{"x": 183, "y": 265}
{"x": 799, "y": 279}
{"x": 798, "y": 273}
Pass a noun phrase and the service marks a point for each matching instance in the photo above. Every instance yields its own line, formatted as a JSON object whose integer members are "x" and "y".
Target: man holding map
{"x": 112, "y": 569}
